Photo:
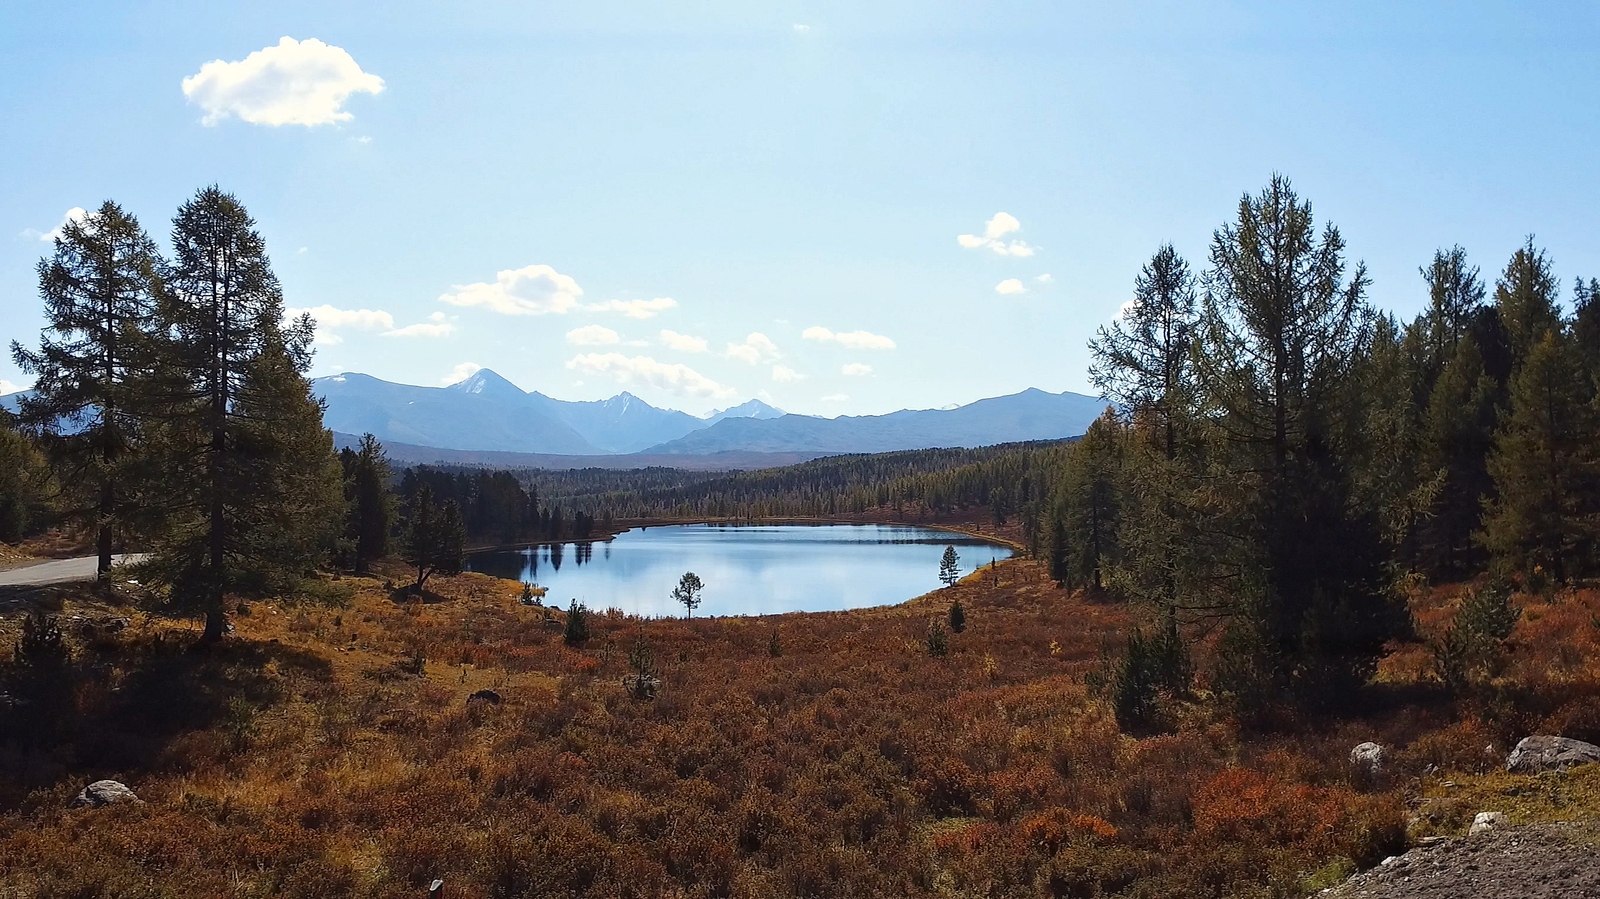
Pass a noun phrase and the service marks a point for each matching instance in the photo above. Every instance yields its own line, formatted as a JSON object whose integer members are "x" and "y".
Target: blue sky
{"x": 526, "y": 186}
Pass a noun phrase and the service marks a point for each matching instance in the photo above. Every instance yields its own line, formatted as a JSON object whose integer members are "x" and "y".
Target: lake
{"x": 747, "y": 569}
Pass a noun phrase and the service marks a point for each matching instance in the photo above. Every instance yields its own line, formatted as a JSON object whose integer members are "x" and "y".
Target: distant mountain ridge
{"x": 487, "y": 414}
{"x": 1032, "y": 414}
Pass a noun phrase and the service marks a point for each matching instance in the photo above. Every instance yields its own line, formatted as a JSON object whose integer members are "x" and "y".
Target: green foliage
{"x": 100, "y": 287}
{"x": 1473, "y": 645}
{"x": 938, "y": 641}
{"x": 435, "y": 538}
{"x": 641, "y": 660}
{"x": 371, "y": 501}
{"x": 26, "y": 485}
{"x": 1141, "y": 361}
{"x": 1545, "y": 467}
{"x": 41, "y": 648}
{"x": 949, "y": 567}
{"x": 576, "y": 632}
{"x": 687, "y": 593}
{"x": 958, "y": 617}
{"x": 1089, "y": 500}
{"x": 1149, "y": 668}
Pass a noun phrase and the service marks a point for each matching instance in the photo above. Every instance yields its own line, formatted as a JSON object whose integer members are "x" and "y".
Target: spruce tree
{"x": 435, "y": 537}
{"x": 229, "y": 378}
{"x": 26, "y": 485}
{"x": 1455, "y": 293}
{"x": 1458, "y": 431}
{"x": 958, "y": 617}
{"x": 1091, "y": 502}
{"x": 91, "y": 369}
{"x": 1546, "y": 473}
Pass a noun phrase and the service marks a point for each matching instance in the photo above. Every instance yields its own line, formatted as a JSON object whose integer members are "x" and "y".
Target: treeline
{"x": 1286, "y": 461}
{"x": 500, "y": 507}
{"x": 170, "y": 412}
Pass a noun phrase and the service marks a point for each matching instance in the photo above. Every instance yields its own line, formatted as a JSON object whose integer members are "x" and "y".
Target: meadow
{"x": 330, "y": 749}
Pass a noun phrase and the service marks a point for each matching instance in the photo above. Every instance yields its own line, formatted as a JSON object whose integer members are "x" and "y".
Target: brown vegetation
{"x": 331, "y": 751}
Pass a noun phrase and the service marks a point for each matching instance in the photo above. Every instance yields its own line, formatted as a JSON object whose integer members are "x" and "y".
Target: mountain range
{"x": 486, "y": 417}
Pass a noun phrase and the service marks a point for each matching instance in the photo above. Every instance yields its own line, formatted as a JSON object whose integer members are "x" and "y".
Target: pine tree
{"x": 230, "y": 374}
{"x": 687, "y": 593}
{"x": 1545, "y": 468}
{"x": 435, "y": 537}
{"x": 938, "y": 641}
{"x": 1458, "y": 431}
{"x": 26, "y": 485}
{"x": 372, "y": 502}
{"x": 1280, "y": 334}
{"x": 958, "y": 617}
{"x": 576, "y": 631}
{"x": 949, "y": 567}
{"x": 99, "y": 288}
{"x": 1141, "y": 362}
{"x": 1091, "y": 502}
{"x": 1526, "y": 298}
{"x": 1455, "y": 294}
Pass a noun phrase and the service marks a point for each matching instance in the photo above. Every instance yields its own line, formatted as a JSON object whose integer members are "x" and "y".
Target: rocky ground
{"x": 1539, "y": 860}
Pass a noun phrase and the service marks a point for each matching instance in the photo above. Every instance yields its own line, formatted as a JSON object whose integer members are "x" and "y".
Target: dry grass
{"x": 308, "y": 757}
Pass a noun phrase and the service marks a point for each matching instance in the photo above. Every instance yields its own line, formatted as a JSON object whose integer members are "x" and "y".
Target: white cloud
{"x": 530, "y": 290}
{"x": 1045, "y": 279}
{"x": 360, "y": 319}
{"x": 757, "y": 348}
{"x": 856, "y": 368}
{"x": 802, "y": 29}
{"x": 993, "y": 237}
{"x": 592, "y": 335}
{"x": 460, "y": 373}
{"x": 8, "y": 387}
{"x": 75, "y": 214}
{"x": 683, "y": 343}
{"x": 855, "y": 340}
{"x": 1010, "y": 286}
{"x": 643, "y": 371}
{"x": 784, "y": 374}
{"x": 293, "y": 83}
{"x": 836, "y": 398}
{"x": 635, "y": 308}
{"x": 435, "y": 326}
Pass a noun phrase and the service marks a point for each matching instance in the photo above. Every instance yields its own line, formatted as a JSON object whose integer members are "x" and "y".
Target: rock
{"x": 1484, "y": 822}
{"x": 103, "y": 793}
{"x": 483, "y": 697}
{"x": 1368, "y": 759}
{"x": 1544, "y": 753}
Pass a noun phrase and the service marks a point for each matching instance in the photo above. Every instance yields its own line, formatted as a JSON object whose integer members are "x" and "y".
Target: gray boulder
{"x": 1483, "y": 822}
{"x": 102, "y": 793}
{"x": 1544, "y": 753}
{"x": 1367, "y": 759}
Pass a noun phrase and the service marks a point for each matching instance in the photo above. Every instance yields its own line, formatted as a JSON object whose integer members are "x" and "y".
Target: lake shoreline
{"x": 622, "y": 527}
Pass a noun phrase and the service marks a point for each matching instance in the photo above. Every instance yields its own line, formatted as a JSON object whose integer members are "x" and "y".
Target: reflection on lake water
{"x": 747, "y": 569}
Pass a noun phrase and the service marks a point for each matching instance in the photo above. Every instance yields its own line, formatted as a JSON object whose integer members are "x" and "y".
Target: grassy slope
{"x": 305, "y": 757}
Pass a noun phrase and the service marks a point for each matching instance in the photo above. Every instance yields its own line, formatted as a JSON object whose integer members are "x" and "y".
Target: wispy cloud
{"x": 855, "y": 340}
{"x": 292, "y": 83}
{"x": 635, "y": 308}
{"x": 836, "y": 398}
{"x": 993, "y": 237}
{"x": 530, "y": 290}
{"x": 683, "y": 343}
{"x": 784, "y": 374}
{"x": 643, "y": 371}
{"x": 1045, "y": 279}
{"x": 437, "y": 325}
{"x": 856, "y": 369}
{"x": 593, "y": 335}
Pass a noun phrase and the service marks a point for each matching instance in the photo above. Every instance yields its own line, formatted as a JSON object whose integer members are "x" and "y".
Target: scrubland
{"x": 329, "y": 749}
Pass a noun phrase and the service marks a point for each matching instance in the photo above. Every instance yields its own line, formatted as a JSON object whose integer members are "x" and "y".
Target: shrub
{"x": 576, "y": 631}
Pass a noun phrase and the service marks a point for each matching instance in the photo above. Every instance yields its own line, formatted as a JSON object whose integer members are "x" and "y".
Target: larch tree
{"x": 1545, "y": 466}
{"x": 372, "y": 502}
{"x": 239, "y": 432}
{"x": 99, "y": 288}
{"x": 687, "y": 593}
{"x": 1526, "y": 297}
{"x": 1282, "y": 326}
{"x": 949, "y": 567}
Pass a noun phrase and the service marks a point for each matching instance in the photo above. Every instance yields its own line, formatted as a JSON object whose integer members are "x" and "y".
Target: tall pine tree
{"x": 99, "y": 288}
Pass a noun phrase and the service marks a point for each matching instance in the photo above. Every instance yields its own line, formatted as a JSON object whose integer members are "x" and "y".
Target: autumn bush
{"x": 303, "y": 757}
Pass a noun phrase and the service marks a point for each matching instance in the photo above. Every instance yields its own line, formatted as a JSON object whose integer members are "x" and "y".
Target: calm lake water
{"x": 747, "y": 569}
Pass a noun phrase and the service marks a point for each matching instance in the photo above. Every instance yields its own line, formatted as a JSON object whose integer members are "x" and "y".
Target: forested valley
{"x": 1302, "y": 525}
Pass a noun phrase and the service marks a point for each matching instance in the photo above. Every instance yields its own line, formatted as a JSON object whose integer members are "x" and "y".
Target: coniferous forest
{"x": 1302, "y": 524}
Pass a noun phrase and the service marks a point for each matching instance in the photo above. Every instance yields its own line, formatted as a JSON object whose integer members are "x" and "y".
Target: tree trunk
{"x": 216, "y": 626}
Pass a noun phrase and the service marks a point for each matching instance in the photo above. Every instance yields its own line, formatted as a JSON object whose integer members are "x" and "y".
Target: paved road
{"x": 58, "y": 571}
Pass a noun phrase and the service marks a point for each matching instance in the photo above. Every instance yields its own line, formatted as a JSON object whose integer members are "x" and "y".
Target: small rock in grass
{"x": 1545, "y": 753}
{"x": 102, "y": 793}
{"x": 1484, "y": 822}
